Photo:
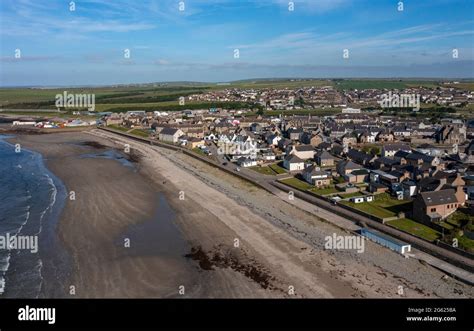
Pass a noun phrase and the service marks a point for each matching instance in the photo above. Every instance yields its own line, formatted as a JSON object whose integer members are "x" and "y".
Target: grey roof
{"x": 293, "y": 159}
{"x": 396, "y": 147}
{"x": 418, "y": 156}
{"x": 169, "y": 131}
{"x": 314, "y": 170}
{"x": 360, "y": 172}
{"x": 304, "y": 148}
{"x": 349, "y": 165}
{"x": 324, "y": 155}
{"x": 442, "y": 197}
{"x": 359, "y": 156}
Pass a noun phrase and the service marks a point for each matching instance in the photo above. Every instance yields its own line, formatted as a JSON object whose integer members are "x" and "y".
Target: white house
{"x": 389, "y": 150}
{"x": 246, "y": 162}
{"x": 293, "y": 163}
{"x": 170, "y": 135}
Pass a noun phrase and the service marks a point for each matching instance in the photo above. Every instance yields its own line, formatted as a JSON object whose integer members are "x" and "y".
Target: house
{"x": 255, "y": 127}
{"x": 113, "y": 119}
{"x": 346, "y": 167}
{"x": 194, "y": 142}
{"x": 435, "y": 205}
{"x": 284, "y": 143}
{"x": 409, "y": 188}
{"x": 366, "y": 137}
{"x": 304, "y": 152}
{"x": 294, "y": 133}
{"x": 315, "y": 176}
{"x": 246, "y": 162}
{"x": 379, "y": 176}
{"x": 401, "y": 131}
{"x": 360, "y": 157}
{"x": 324, "y": 159}
{"x": 313, "y": 140}
{"x": 349, "y": 140}
{"x": 417, "y": 158}
{"x": 170, "y": 135}
{"x": 357, "y": 176}
{"x": 268, "y": 156}
{"x": 293, "y": 163}
{"x": 451, "y": 134}
{"x": 375, "y": 187}
{"x": 384, "y": 136}
{"x": 272, "y": 139}
{"x": 385, "y": 163}
{"x": 389, "y": 150}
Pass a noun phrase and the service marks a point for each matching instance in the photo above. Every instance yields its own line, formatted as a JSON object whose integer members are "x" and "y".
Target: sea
{"x": 31, "y": 200}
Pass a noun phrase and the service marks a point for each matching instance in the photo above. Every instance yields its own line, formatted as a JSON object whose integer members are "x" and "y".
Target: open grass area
{"x": 323, "y": 191}
{"x": 266, "y": 170}
{"x": 296, "y": 183}
{"x": 415, "y": 228}
{"x": 118, "y": 127}
{"x": 370, "y": 208}
{"x": 466, "y": 243}
{"x": 384, "y": 200}
{"x": 277, "y": 168}
{"x": 460, "y": 218}
{"x": 140, "y": 133}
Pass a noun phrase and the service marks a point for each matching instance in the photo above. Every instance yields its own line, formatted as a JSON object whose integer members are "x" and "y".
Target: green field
{"x": 351, "y": 84}
{"x": 415, "y": 228}
{"x": 165, "y": 96}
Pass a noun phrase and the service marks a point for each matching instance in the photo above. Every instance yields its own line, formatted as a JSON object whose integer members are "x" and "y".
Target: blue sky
{"x": 86, "y": 46}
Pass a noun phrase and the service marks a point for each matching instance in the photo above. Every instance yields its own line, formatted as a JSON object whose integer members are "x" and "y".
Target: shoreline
{"x": 43, "y": 224}
{"x": 88, "y": 278}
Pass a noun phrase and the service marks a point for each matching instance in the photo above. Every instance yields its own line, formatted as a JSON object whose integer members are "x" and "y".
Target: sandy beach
{"x": 191, "y": 225}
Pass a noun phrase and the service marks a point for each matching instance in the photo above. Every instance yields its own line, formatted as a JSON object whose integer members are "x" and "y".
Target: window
{"x": 433, "y": 210}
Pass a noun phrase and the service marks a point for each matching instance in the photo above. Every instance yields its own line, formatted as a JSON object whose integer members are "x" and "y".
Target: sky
{"x": 102, "y": 42}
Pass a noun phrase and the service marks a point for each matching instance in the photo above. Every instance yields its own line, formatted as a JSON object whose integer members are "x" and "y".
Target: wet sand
{"x": 120, "y": 231}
